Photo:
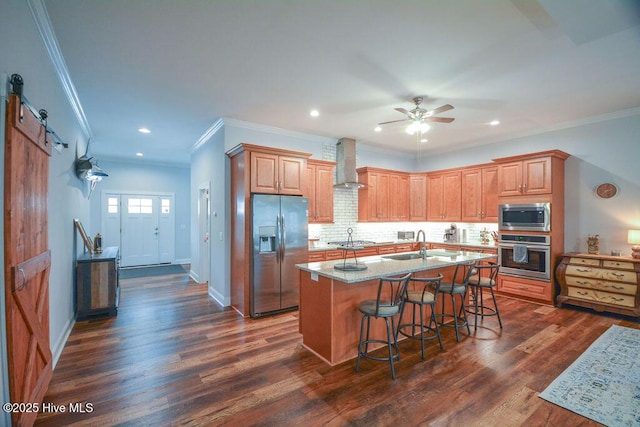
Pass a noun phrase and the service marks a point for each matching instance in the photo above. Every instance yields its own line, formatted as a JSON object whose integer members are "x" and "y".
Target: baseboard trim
{"x": 62, "y": 340}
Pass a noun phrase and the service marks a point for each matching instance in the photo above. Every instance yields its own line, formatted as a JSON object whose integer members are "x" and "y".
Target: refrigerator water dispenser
{"x": 267, "y": 239}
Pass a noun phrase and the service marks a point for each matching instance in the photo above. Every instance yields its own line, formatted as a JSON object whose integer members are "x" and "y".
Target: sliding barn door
{"x": 27, "y": 257}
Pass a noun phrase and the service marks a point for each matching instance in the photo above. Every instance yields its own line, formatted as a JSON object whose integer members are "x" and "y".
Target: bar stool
{"x": 484, "y": 279}
{"x": 457, "y": 287}
{"x": 388, "y": 303}
{"x": 421, "y": 292}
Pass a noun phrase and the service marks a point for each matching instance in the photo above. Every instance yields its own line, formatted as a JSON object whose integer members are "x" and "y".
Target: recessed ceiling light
{"x": 423, "y": 140}
{"x": 144, "y": 130}
{"x": 314, "y": 113}
{"x": 494, "y": 122}
{"x": 139, "y": 154}
{"x": 377, "y": 129}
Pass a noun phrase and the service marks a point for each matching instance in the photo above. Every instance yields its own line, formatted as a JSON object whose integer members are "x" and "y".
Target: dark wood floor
{"x": 173, "y": 356}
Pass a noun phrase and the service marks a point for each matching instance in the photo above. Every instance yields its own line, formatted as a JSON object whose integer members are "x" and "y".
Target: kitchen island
{"x": 329, "y": 298}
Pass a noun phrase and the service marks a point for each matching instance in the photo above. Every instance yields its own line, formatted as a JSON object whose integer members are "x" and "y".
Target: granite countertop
{"x": 380, "y": 265}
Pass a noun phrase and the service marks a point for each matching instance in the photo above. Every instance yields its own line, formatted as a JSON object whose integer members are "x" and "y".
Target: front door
{"x": 147, "y": 233}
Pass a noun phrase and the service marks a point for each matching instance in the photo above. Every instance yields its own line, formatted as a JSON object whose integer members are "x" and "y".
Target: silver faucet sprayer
{"x": 423, "y": 249}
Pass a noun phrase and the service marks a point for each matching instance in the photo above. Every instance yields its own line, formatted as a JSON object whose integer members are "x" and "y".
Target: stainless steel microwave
{"x": 525, "y": 217}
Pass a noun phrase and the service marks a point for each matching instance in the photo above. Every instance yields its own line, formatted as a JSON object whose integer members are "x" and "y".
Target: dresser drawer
{"x": 585, "y": 261}
{"x": 603, "y": 297}
{"x": 618, "y": 265}
{"x": 602, "y": 285}
{"x": 600, "y": 273}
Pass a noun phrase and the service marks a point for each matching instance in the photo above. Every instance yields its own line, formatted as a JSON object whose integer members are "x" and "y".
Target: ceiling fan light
{"x": 417, "y": 127}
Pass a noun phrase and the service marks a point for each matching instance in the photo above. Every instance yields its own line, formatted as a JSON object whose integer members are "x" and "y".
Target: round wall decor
{"x": 606, "y": 190}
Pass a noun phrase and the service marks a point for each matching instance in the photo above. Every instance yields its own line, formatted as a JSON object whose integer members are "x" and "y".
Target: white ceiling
{"x": 177, "y": 66}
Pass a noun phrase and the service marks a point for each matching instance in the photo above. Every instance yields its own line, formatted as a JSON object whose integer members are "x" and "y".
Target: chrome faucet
{"x": 423, "y": 249}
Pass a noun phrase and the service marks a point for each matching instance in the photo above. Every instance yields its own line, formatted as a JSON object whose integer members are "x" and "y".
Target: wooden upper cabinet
{"x": 471, "y": 195}
{"x": 398, "y": 197}
{"x": 530, "y": 174}
{"x": 444, "y": 196}
{"x": 489, "y": 203}
{"x": 385, "y": 196}
{"x": 480, "y": 194}
{"x": 418, "y": 197}
{"x": 277, "y": 174}
{"x": 320, "y": 176}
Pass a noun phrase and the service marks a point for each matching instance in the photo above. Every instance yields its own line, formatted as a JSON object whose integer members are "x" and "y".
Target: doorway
{"x": 204, "y": 238}
{"x": 142, "y": 225}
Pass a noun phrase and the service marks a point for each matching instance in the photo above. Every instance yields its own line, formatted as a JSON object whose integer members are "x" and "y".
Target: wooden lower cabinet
{"x": 317, "y": 256}
{"x": 528, "y": 288}
{"x": 97, "y": 284}
{"x": 600, "y": 282}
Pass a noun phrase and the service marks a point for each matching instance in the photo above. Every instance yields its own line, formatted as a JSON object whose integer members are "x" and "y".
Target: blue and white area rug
{"x": 603, "y": 384}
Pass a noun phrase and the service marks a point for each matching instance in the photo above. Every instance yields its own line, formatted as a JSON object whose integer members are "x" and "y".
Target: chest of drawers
{"x": 600, "y": 282}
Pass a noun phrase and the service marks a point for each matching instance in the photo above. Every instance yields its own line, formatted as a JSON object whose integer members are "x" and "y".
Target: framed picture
{"x": 87, "y": 240}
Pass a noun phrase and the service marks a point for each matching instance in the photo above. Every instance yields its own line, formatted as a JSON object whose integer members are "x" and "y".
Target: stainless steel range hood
{"x": 346, "y": 175}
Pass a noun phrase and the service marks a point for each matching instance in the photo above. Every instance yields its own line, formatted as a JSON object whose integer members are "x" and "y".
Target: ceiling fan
{"x": 420, "y": 116}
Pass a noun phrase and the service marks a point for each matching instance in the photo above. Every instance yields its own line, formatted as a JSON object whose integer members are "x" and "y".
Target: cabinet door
{"x": 291, "y": 175}
{"x": 324, "y": 193}
{"x": 471, "y": 195}
{"x": 418, "y": 198}
{"x": 310, "y": 192}
{"x": 452, "y": 194}
{"x": 536, "y": 176}
{"x": 264, "y": 173}
{"x": 489, "y": 207}
{"x": 382, "y": 198}
{"x": 398, "y": 198}
{"x": 510, "y": 179}
{"x": 435, "y": 209}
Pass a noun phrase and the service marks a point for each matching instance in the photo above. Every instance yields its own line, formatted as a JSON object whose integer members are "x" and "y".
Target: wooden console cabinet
{"x": 600, "y": 282}
{"x": 97, "y": 285}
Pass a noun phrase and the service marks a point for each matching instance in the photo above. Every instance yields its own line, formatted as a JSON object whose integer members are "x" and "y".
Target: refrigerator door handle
{"x": 283, "y": 230}
{"x": 278, "y": 239}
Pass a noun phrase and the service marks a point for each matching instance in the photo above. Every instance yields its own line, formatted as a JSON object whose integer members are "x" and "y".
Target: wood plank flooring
{"x": 173, "y": 356}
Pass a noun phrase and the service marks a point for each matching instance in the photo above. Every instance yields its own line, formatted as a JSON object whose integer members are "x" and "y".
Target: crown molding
{"x": 209, "y": 133}
{"x": 278, "y": 131}
{"x": 41, "y": 18}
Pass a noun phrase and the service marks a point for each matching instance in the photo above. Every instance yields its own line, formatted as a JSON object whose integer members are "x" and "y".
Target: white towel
{"x": 520, "y": 254}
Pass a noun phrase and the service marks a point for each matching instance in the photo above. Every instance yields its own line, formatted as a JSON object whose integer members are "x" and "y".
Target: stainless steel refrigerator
{"x": 280, "y": 241}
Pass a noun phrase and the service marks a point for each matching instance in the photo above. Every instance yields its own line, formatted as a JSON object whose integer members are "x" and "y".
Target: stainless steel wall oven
{"x": 525, "y": 255}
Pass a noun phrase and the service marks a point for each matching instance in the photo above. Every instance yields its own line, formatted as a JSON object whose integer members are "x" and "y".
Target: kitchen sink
{"x": 444, "y": 252}
{"x": 403, "y": 256}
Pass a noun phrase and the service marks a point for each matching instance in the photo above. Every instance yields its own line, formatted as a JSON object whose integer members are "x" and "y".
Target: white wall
{"x": 143, "y": 177}
{"x": 22, "y": 52}
{"x": 604, "y": 151}
{"x": 209, "y": 168}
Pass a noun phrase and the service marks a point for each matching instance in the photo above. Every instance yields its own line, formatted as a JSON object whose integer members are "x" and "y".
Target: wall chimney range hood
{"x": 346, "y": 175}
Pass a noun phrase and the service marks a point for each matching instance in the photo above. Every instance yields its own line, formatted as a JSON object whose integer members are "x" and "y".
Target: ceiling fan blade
{"x": 402, "y": 110}
{"x": 440, "y": 119}
{"x": 442, "y": 109}
{"x": 394, "y": 121}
